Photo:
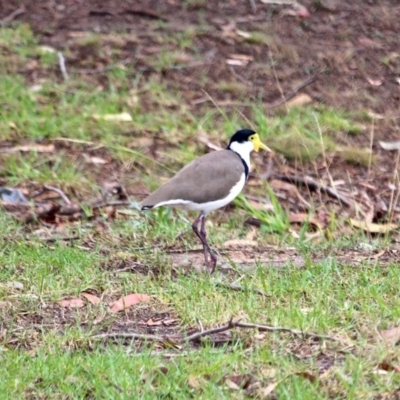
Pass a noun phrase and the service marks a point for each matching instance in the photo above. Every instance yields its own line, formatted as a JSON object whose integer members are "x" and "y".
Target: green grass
{"x": 49, "y": 352}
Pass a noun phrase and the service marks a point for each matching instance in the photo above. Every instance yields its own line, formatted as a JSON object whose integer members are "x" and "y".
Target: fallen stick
{"x": 59, "y": 192}
{"x": 234, "y": 286}
{"x": 200, "y": 334}
{"x": 314, "y": 186}
{"x": 291, "y": 93}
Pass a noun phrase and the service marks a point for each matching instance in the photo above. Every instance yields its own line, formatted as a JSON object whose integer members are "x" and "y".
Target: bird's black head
{"x": 241, "y": 136}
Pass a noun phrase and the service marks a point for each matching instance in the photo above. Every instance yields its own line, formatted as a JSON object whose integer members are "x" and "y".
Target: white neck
{"x": 243, "y": 149}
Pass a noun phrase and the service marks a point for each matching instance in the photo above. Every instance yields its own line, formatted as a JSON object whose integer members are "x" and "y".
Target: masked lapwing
{"x": 208, "y": 183}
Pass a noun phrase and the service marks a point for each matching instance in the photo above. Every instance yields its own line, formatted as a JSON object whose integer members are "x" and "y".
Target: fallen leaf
{"x": 91, "y": 298}
{"x": 302, "y": 218}
{"x": 128, "y": 301}
{"x": 241, "y": 243}
{"x": 390, "y": 145}
{"x": 259, "y": 205}
{"x": 386, "y": 366}
{"x": 122, "y": 117}
{"x": 374, "y": 82}
{"x": 391, "y": 336}
{"x": 243, "y": 34}
{"x": 47, "y": 49}
{"x": 72, "y": 303}
{"x": 236, "y": 63}
{"x": 231, "y": 385}
{"x": 373, "y": 227}
{"x": 150, "y": 322}
{"x": 167, "y": 322}
{"x": 242, "y": 57}
{"x": 300, "y": 100}
{"x": 307, "y": 375}
{"x": 269, "y": 389}
{"x": 39, "y": 148}
{"x": 364, "y": 41}
{"x": 152, "y": 375}
{"x": 238, "y": 381}
{"x": 95, "y": 160}
{"x": 15, "y": 285}
{"x": 194, "y": 382}
{"x": 298, "y": 11}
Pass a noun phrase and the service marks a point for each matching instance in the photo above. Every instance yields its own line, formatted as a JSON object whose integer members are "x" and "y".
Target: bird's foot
{"x": 211, "y": 264}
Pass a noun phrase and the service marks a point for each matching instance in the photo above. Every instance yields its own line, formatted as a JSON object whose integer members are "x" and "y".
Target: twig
{"x": 197, "y": 335}
{"x": 133, "y": 265}
{"x": 130, "y": 335}
{"x": 238, "y": 77}
{"x": 239, "y": 288}
{"x": 144, "y": 13}
{"x": 63, "y": 68}
{"x": 297, "y": 332}
{"x": 12, "y": 16}
{"x": 59, "y": 192}
{"x": 61, "y": 239}
{"x": 313, "y": 185}
{"x": 227, "y": 327}
{"x": 292, "y": 92}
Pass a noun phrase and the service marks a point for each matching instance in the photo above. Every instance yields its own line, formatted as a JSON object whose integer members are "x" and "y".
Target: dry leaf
{"x": 391, "y": 336}
{"x": 386, "y": 366}
{"x": 269, "y": 389}
{"x": 152, "y": 376}
{"x": 122, "y": 117}
{"x": 307, "y": 375}
{"x": 15, "y": 285}
{"x": 128, "y": 301}
{"x": 364, "y": 41}
{"x": 243, "y": 34}
{"x": 300, "y": 100}
{"x": 91, "y": 298}
{"x": 231, "y": 385}
{"x": 390, "y": 145}
{"x": 236, "y": 63}
{"x": 241, "y": 243}
{"x": 242, "y": 57}
{"x": 94, "y": 160}
{"x": 261, "y": 205}
{"x": 39, "y": 148}
{"x": 150, "y": 322}
{"x": 72, "y": 303}
{"x": 374, "y": 82}
{"x": 193, "y": 382}
{"x": 47, "y": 49}
{"x": 236, "y": 382}
{"x": 301, "y": 218}
{"x": 372, "y": 227}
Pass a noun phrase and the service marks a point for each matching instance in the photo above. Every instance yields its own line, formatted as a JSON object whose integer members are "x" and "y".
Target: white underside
{"x": 209, "y": 206}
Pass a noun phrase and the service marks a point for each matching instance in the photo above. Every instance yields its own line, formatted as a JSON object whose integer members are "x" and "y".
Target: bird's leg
{"x": 202, "y": 235}
{"x": 210, "y": 252}
{"x": 195, "y": 227}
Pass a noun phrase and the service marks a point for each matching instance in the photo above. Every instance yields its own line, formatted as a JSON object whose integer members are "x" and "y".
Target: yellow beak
{"x": 258, "y": 144}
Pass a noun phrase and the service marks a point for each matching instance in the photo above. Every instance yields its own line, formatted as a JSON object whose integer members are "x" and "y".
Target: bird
{"x": 207, "y": 183}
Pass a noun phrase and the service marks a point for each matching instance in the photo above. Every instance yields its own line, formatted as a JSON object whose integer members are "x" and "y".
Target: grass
{"x": 48, "y": 351}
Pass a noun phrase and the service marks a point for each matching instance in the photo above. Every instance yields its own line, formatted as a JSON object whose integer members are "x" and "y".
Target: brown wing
{"x": 208, "y": 178}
